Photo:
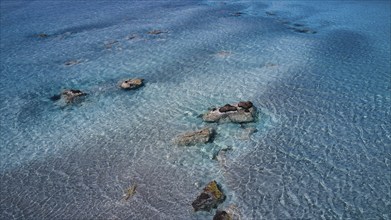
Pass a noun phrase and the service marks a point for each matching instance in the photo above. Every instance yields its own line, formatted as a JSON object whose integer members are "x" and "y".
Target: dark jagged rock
{"x": 131, "y": 83}
{"x": 232, "y": 113}
{"x": 227, "y": 108}
{"x": 210, "y": 198}
{"x": 245, "y": 105}
{"x": 222, "y": 215}
{"x": 71, "y": 95}
{"x": 204, "y": 135}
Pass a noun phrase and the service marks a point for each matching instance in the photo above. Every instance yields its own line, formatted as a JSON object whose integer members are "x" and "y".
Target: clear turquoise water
{"x": 323, "y": 146}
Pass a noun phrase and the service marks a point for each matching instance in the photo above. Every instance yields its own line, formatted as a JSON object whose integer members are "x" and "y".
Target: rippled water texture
{"x": 318, "y": 71}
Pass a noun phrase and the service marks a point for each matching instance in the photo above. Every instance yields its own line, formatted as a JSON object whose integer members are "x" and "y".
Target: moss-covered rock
{"x": 210, "y": 198}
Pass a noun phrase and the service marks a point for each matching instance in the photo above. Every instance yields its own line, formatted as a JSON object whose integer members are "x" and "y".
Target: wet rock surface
{"x": 241, "y": 112}
{"x": 132, "y": 83}
{"x": 210, "y": 198}
{"x": 204, "y": 135}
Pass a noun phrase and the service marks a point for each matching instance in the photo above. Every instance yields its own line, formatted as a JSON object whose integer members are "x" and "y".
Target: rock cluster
{"x": 204, "y": 135}
{"x": 210, "y": 198}
{"x": 241, "y": 112}
{"x": 131, "y": 83}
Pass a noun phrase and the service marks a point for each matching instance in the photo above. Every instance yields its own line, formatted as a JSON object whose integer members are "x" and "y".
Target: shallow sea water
{"x": 323, "y": 145}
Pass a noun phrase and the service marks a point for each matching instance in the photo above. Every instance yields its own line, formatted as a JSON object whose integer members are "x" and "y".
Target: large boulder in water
{"x": 204, "y": 135}
{"x": 241, "y": 112}
{"x": 131, "y": 83}
{"x": 210, "y": 197}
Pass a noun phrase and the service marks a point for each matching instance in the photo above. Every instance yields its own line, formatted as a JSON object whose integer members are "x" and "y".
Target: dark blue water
{"x": 319, "y": 73}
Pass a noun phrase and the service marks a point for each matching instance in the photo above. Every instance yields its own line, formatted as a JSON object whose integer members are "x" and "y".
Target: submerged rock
{"x": 220, "y": 154}
{"x": 42, "y": 35}
{"x": 68, "y": 96}
{"x": 304, "y": 30}
{"x": 237, "y": 113}
{"x": 210, "y": 198}
{"x": 55, "y": 98}
{"x": 110, "y": 44}
{"x": 131, "y": 37}
{"x": 230, "y": 213}
{"x": 72, "y": 62}
{"x": 237, "y": 14}
{"x": 204, "y": 135}
{"x": 223, "y": 54}
{"x": 156, "y": 32}
{"x": 131, "y": 83}
{"x": 129, "y": 193}
{"x": 269, "y": 64}
{"x": 71, "y": 95}
{"x": 270, "y": 13}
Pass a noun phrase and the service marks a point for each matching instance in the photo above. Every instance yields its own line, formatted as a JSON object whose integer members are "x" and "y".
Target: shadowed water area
{"x": 318, "y": 73}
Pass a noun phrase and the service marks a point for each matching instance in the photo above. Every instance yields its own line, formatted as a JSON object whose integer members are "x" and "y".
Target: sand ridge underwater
{"x": 318, "y": 72}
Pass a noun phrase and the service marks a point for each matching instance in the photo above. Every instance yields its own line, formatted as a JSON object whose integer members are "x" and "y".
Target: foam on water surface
{"x": 322, "y": 146}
